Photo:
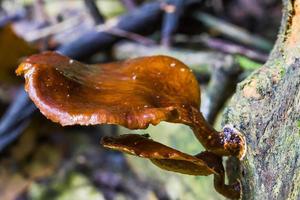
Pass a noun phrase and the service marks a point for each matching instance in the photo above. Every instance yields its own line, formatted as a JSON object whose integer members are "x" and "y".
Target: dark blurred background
{"x": 221, "y": 41}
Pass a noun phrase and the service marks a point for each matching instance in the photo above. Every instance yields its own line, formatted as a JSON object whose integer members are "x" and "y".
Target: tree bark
{"x": 266, "y": 108}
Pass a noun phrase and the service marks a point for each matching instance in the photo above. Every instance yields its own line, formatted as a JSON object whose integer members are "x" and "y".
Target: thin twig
{"x": 132, "y": 36}
{"x": 228, "y": 47}
{"x": 111, "y": 28}
{"x": 94, "y": 11}
{"x": 234, "y": 32}
{"x": 224, "y": 46}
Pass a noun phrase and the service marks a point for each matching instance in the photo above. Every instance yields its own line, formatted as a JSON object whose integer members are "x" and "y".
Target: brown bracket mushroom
{"x": 203, "y": 164}
{"x": 133, "y": 93}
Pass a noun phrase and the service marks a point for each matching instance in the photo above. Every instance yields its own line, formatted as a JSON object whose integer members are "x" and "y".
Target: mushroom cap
{"x": 132, "y": 93}
{"x": 165, "y": 157}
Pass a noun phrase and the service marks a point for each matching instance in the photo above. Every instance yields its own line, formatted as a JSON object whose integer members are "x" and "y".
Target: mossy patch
{"x": 282, "y": 72}
{"x": 246, "y": 63}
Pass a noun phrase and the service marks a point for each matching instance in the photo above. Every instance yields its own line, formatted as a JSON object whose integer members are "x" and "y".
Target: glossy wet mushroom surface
{"x": 161, "y": 155}
{"x": 133, "y": 93}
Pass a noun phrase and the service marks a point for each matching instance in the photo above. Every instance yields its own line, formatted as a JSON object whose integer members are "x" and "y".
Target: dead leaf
{"x": 12, "y": 49}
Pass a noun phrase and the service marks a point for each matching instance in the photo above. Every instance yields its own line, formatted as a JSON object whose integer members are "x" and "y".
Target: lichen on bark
{"x": 266, "y": 108}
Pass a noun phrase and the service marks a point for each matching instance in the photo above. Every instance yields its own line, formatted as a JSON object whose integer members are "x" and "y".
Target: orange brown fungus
{"x": 161, "y": 155}
{"x": 133, "y": 93}
{"x": 203, "y": 164}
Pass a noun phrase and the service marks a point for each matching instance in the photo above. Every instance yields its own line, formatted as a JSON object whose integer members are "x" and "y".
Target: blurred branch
{"x": 224, "y": 46}
{"x": 12, "y": 18}
{"x": 94, "y": 11}
{"x": 143, "y": 20}
{"x": 129, "y": 35}
{"x": 129, "y": 4}
{"x": 228, "y": 47}
{"x": 234, "y": 32}
{"x": 13, "y": 111}
{"x": 199, "y": 61}
{"x": 39, "y": 34}
{"x": 40, "y": 12}
{"x": 222, "y": 84}
{"x": 172, "y": 14}
{"x": 13, "y": 134}
{"x": 16, "y": 118}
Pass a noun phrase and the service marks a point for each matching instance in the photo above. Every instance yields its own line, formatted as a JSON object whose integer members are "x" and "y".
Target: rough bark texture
{"x": 266, "y": 108}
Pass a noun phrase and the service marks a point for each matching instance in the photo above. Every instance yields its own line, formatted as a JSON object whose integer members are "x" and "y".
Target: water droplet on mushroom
{"x": 172, "y": 64}
{"x": 68, "y": 95}
{"x": 71, "y": 61}
{"x": 145, "y": 116}
{"x": 182, "y": 69}
{"x": 134, "y": 77}
{"x": 157, "y": 97}
{"x": 146, "y": 106}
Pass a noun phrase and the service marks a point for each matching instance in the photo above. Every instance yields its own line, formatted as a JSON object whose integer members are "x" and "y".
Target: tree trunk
{"x": 266, "y": 108}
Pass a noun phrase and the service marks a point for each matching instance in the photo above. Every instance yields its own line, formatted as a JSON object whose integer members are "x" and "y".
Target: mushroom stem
{"x": 228, "y": 142}
{"x": 230, "y": 191}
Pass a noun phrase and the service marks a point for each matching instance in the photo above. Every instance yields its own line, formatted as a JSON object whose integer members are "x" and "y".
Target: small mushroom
{"x": 132, "y": 93}
{"x": 161, "y": 155}
{"x": 203, "y": 164}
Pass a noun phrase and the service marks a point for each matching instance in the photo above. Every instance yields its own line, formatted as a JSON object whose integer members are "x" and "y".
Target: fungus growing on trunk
{"x": 133, "y": 93}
